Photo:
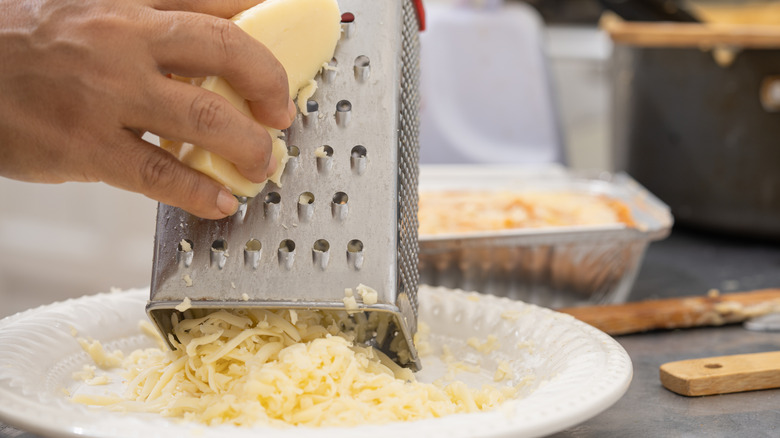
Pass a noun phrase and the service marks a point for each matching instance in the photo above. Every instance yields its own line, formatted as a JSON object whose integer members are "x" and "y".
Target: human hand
{"x": 82, "y": 80}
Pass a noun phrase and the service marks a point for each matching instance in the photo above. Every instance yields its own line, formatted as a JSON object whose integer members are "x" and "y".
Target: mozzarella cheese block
{"x": 302, "y": 34}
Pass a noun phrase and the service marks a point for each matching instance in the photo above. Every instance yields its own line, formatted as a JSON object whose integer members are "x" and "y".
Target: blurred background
{"x": 537, "y": 81}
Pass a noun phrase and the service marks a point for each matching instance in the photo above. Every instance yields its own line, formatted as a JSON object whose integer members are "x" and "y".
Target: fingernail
{"x": 291, "y": 110}
{"x": 226, "y": 202}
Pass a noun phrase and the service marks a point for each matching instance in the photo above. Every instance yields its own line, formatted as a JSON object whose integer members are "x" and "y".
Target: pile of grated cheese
{"x": 280, "y": 368}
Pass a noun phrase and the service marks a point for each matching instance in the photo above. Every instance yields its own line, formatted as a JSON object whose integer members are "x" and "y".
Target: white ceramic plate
{"x": 575, "y": 370}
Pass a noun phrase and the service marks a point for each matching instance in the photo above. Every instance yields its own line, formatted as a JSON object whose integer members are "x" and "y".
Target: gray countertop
{"x": 686, "y": 263}
{"x": 689, "y": 263}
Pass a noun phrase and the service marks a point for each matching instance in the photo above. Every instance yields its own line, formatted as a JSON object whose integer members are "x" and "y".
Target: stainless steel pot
{"x": 697, "y": 117}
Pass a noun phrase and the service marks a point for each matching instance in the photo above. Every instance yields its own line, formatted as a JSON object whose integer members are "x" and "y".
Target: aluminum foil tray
{"x": 555, "y": 266}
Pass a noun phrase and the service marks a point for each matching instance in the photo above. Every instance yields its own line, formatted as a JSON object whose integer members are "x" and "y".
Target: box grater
{"x": 346, "y": 213}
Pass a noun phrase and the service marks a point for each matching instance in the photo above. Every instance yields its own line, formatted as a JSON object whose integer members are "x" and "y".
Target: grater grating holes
{"x": 321, "y": 254}
{"x": 343, "y": 113}
{"x": 408, "y": 248}
{"x": 329, "y": 73}
{"x": 184, "y": 254}
{"x": 252, "y": 253}
{"x": 373, "y": 225}
{"x": 324, "y": 156}
{"x": 286, "y": 254}
{"x": 305, "y": 206}
{"x": 219, "y": 253}
{"x": 357, "y": 160}
{"x": 339, "y": 208}
{"x": 294, "y": 154}
{"x": 272, "y": 206}
{"x": 312, "y": 110}
{"x": 355, "y": 254}
{"x": 362, "y": 68}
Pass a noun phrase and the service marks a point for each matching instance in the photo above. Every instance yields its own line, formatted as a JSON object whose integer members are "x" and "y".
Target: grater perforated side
{"x": 346, "y": 212}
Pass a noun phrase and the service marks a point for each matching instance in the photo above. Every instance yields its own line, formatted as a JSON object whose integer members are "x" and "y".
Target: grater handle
{"x": 418, "y": 7}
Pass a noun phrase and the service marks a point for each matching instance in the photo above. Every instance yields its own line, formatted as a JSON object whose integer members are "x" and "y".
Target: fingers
{"x": 196, "y": 45}
{"x": 221, "y": 8}
{"x": 183, "y": 112}
{"x": 138, "y": 166}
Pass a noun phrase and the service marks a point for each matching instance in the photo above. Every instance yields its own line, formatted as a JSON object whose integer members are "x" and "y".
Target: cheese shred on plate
{"x": 279, "y": 368}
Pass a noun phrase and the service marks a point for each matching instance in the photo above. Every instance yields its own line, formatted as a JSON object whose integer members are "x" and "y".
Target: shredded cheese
{"x": 185, "y": 305}
{"x": 260, "y": 367}
{"x": 490, "y": 344}
{"x": 503, "y": 371}
{"x": 87, "y": 372}
{"x": 100, "y": 356}
{"x": 510, "y": 315}
{"x": 369, "y": 295}
{"x": 98, "y": 380}
{"x": 350, "y": 303}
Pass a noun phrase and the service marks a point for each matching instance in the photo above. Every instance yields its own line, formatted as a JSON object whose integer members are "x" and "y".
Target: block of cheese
{"x": 302, "y": 34}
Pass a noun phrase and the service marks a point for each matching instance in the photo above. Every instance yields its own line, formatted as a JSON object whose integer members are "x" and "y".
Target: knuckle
{"x": 165, "y": 179}
{"x": 208, "y": 113}
{"x": 159, "y": 171}
{"x": 191, "y": 193}
{"x": 227, "y": 35}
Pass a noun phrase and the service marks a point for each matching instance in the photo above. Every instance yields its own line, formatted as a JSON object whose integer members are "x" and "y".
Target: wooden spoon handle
{"x": 723, "y": 374}
{"x": 671, "y": 313}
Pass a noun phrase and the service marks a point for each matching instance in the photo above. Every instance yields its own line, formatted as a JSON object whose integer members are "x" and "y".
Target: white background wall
{"x": 68, "y": 240}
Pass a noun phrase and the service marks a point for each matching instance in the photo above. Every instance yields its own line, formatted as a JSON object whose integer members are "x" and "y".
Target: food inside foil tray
{"x": 467, "y": 211}
{"x": 543, "y": 235}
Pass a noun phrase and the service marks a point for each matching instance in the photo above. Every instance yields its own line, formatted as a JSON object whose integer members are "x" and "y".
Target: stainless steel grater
{"x": 346, "y": 212}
